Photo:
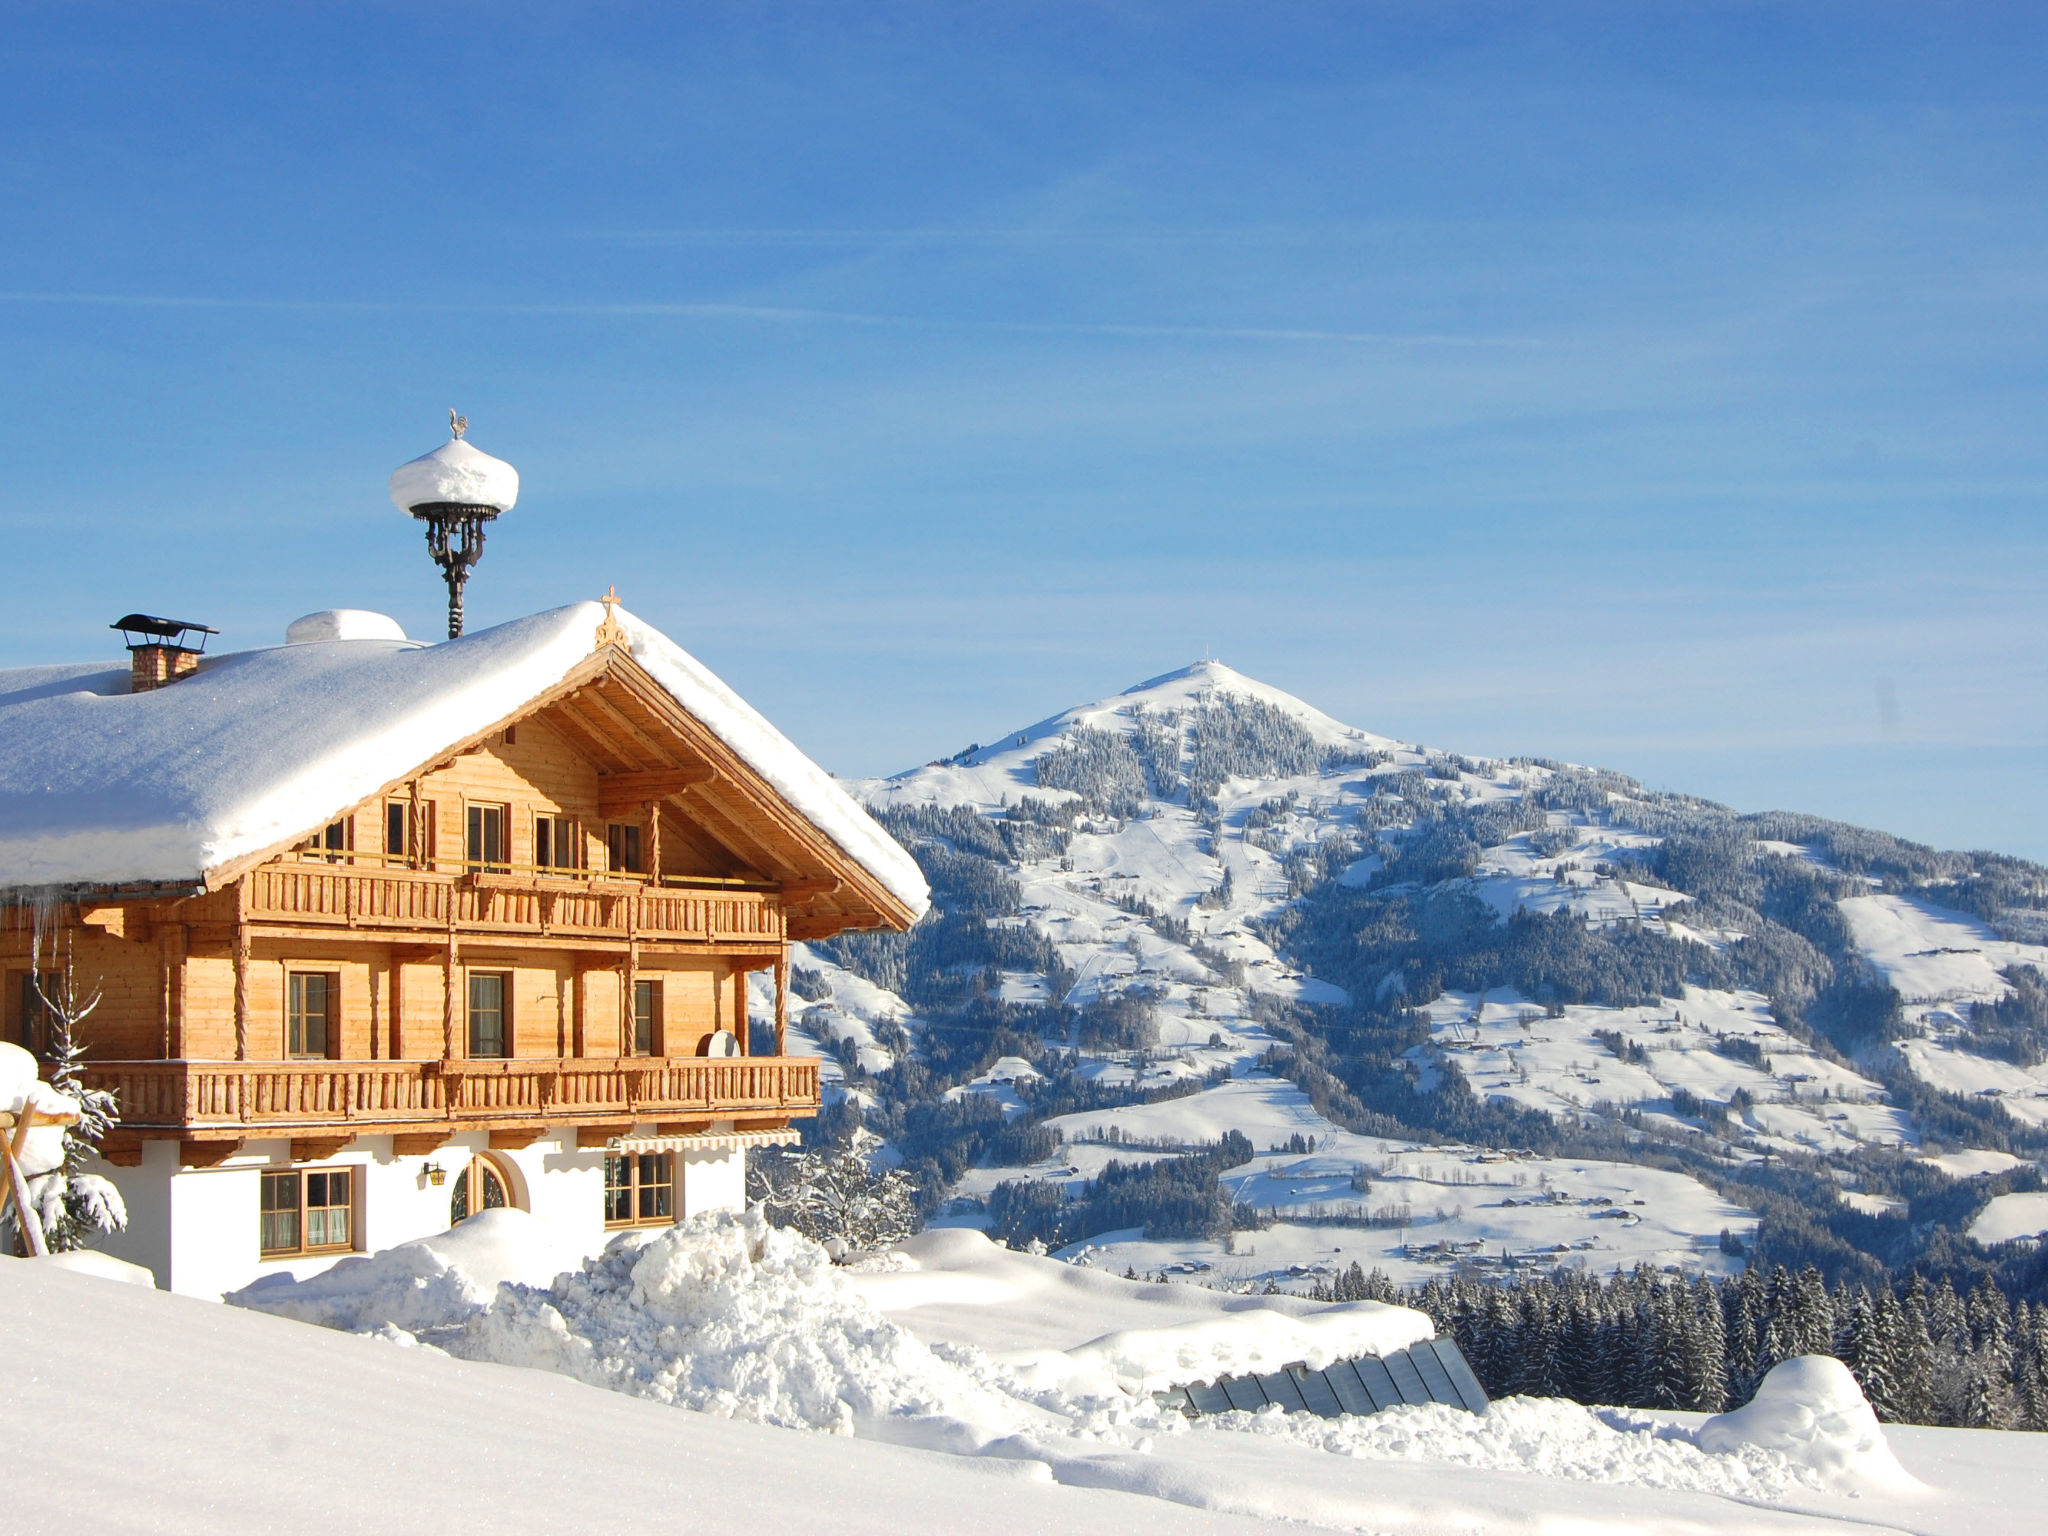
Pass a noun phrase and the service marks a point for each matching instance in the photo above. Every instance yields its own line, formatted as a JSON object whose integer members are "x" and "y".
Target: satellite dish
{"x": 722, "y": 1042}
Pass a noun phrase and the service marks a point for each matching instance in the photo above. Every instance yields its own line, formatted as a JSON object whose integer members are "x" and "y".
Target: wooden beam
{"x": 121, "y": 1148}
{"x": 623, "y": 727}
{"x": 317, "y": 1149}
{"x": 242, "y": 974}
{"x": 782, "y": 1005}
{"x": 589, "y": 1136}
{"x": 419, "y": 1143}
{"x": 512, "y": 1137}
{"x": 207, "y": 1154}
{"x": 681, "y": 1127}
{"x": 621, "y": 793}
{"x": 794, "y": 891}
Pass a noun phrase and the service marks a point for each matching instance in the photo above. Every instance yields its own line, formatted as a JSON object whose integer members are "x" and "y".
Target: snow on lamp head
{"x": 455, "y": 490}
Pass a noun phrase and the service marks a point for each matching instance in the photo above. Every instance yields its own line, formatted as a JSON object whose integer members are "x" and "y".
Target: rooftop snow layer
{"x": 101, "y": 787}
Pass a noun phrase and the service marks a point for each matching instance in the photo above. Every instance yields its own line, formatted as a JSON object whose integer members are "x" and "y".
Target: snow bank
{"x": 1548, "y": 1437}
{"x": 87, "y": 1261}
{"x": 435, "y": 1282}
{"x": 1810, "y": 1410}
{"x": 728, "y": 1315}
{"x": 1237, "y": 1344}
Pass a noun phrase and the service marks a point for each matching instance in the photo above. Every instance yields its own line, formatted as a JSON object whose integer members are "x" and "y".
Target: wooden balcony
{"x": 368, "y": 1097}
{"x": 535, "y": 905}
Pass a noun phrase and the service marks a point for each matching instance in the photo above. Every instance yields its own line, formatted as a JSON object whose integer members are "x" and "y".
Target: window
{"x": 489, "y": 1025}
{"x": 639, "y": 1189}
{"x": 487, "y": 844}
{"x": 333, "y": 843}
{"x": 622, "y": 840}
{"x": 312, "y": 1008}
{"x": 33, "y": 1028}
{"x": 409, "y": 833}
{"x": 646, "y": 1017}
{"x": 307, "y": 1210}
{"x": 482, "y": 1186}
{"x": 397, "y": 824}
{"x": 557, "y": 842}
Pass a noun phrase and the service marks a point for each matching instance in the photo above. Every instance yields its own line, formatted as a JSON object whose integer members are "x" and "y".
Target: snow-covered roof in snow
{"x": 256, "y": 748}
{"x": 457, "y": 471}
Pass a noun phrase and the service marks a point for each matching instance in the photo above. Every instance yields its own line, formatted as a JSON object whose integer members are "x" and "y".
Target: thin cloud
{"x": 773, "y": 314}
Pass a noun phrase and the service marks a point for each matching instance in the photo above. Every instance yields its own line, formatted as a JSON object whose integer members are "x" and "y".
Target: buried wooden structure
{"x": 16, "y": 1124}
{"x": 1433, "y": 1371}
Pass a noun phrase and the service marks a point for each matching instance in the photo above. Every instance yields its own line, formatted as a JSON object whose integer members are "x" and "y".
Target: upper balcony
{"x": 370, "y": 1097}
{"x": 513, "y": 901}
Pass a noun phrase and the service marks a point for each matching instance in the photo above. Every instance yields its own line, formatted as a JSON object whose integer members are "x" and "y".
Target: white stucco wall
{"x": 196, "y": 1229}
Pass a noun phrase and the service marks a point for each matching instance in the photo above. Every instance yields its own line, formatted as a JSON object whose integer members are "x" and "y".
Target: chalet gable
{"x": 192, "y": 785}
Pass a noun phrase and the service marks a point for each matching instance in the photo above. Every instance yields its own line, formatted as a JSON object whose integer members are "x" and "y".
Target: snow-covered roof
{"x": 99, "y": 786}
{"x": 457, "y": 471}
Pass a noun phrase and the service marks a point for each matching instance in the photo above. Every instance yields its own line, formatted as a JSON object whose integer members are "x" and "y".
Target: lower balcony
{"x": 222, "y": 1099}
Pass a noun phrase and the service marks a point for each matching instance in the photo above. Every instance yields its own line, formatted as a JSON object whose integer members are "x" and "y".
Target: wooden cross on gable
{"x": 611, "y": 632}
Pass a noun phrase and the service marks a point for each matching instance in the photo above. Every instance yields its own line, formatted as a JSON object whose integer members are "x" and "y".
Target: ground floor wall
{"x": 198, "y": 1230}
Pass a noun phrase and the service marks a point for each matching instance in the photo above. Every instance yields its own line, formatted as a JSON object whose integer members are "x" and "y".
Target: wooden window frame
{"x": 302, "y": 1180}
{"x": 651, "y": 986}
{"x": 505, "y": 1022}
{"x": 469, "y": 1182}
{"x": 555, "y": 834}
{"x": 34, "y": 1014}
{"x": 334, "y": 843}
{"x": 638, "y": 1191}
{"x": 398, "y": 831}
{"x": 476, "y": 857}
{"x": 330, "y": 1028}
{"x": 625, "y": 847}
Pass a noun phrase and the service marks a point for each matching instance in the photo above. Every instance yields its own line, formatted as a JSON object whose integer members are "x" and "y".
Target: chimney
{"x": 160, "y": 651}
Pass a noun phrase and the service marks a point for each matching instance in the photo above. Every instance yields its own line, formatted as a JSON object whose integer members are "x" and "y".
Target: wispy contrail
{"x": 771, "y": 313}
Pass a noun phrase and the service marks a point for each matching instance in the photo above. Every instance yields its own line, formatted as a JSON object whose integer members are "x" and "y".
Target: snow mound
{"x": 1236, "y": 1344}
{"x": 342, "y": 624}
{"x": 88, "y": 1261}
{"x": 1810, "y": 1410}
{"x": 1548, "y": 1437}
{"x": 730, "y": 1316}
{"x": 433, "y": 1283}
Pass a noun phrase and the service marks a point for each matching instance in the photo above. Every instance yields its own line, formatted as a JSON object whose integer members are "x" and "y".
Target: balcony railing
{"x": 533, "y": 905}
{"x": 276, "y": 1096}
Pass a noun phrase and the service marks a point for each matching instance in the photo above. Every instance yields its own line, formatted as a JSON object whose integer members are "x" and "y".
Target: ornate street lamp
{"x": 455, "y": 490}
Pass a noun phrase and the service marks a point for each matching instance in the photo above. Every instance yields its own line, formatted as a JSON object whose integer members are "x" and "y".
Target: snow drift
{"x": 1810, "y": 1411}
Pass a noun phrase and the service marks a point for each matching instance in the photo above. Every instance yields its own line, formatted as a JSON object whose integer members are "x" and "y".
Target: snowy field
{"x": 969, "y": 1387}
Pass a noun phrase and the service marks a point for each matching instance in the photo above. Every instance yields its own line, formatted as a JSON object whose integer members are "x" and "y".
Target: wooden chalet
{"x": 487, "y": 941}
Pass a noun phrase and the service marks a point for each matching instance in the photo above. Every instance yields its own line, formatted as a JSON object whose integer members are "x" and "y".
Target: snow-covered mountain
{"x": 1466, "y": 1012}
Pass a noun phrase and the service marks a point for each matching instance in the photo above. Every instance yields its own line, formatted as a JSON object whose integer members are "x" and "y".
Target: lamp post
{"x": 455, "y": 490}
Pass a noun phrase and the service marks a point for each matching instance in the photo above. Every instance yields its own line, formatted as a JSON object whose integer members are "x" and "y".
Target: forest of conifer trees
{"x": 1644, "y": 1339}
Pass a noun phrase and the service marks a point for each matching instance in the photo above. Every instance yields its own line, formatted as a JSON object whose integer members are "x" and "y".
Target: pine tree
{"x": 74, "y": 1206}
{"x": 1867, "y": 1351}
{"x": 1706, "y": 1366}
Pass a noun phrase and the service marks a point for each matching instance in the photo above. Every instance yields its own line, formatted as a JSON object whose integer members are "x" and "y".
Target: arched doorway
{"x": 485, "y": 1185}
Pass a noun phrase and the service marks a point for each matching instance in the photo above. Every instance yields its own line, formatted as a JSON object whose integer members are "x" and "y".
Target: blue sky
{"x": 1651, "y": 385}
